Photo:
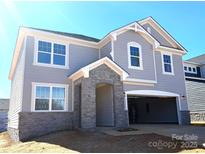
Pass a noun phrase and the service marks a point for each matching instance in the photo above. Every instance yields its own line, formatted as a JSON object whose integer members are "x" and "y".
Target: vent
{"x": 149, "y": 30}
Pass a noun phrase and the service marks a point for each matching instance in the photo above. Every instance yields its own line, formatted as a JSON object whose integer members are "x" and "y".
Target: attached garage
{"x": 152, "y": 110}
{"x": 154, "y": 107}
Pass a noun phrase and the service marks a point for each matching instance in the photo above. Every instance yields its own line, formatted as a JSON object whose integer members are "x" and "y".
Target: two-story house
{"x": 194, "y": 69}
{"x": 66, "y": 81}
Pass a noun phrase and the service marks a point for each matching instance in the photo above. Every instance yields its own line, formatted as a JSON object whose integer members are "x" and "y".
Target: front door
{"x": 104, "y": 105}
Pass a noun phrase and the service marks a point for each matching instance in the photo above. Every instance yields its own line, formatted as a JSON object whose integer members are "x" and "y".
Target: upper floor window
{"x": 190, "y": 69}
{"x": 134, "y": 56}
{"x": 51, "y": 54}
{"x": 167, "y": 64}
{"x": 49, "y": 97}
{"x": 59, "y": 54}
{"x": 44, "y": 52}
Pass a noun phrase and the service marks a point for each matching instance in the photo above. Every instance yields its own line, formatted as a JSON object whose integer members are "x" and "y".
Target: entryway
{"x": 104, "y": 105}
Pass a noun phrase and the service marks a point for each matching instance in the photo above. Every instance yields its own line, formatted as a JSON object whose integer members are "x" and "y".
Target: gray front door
{"x": 104, "y": 105}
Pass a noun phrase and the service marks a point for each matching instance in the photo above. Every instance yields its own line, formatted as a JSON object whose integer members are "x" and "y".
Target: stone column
{"x": 121, "y": 116}
{"x": 88, "y": 105}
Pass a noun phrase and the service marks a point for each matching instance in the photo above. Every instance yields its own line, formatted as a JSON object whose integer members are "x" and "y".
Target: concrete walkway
{"x": 115, "y": 132}
{"x": 193, "y": 133}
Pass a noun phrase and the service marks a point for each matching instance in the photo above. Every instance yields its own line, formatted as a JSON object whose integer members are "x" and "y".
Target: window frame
{"x": 35, "y": 61}
{"x": 50, "y": 85}
{"x": 192, "y": 71}
{"x": 137, "y": 45}
{"x": 172, "y": 66}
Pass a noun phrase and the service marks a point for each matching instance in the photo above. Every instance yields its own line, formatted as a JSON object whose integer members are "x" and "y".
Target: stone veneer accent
{"x": 101, "y": 74}
{"x": 34, "y": 124}
{"x": 197, "y": 116}
{"x": 13, "y": 133}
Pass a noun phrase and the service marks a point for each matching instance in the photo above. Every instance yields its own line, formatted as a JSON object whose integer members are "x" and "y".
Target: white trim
{"x": 73, "y": 94}
{"x": 188, "y": 77}
{"x": 178, "y": 104}
{"x": 85, "y": 70}
{"x": 137, "y": 45}
{"x": 24, "y": 61}
{"x": 21, "y": 36}
{"x": 156, "y": 93}
{"x": 112, "y": 49}
{"x": 151, "y": 93}
{"x": 172, "y": 50}
{"x": 192, "y": 71}
{"x": 35, "y": 60}
{"x": 147, "y": 20}
{"x": 125, "y": 102}
{"x": 193, "y": 63}
{"x": 162, "y": 59}
{"x": 155, "y": 69}
{"x": 57, "y": 37}
{"x": 50, "y": 85}
{"x": 138, "y": 83}
{"x": 139, "y": 80}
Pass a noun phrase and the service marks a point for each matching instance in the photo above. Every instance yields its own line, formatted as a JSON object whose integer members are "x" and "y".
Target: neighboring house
{"x": 195, "y": 85}
{"x": 67, "y": 81}
{"x": 4, "y": 108}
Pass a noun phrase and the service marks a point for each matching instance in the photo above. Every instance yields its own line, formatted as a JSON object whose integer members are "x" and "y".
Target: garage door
{"x": 152, "y": 110}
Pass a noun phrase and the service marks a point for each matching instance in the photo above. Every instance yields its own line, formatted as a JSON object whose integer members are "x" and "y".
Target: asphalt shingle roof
{"x": 78, "y": 36}
{"x": 199, "y": 59}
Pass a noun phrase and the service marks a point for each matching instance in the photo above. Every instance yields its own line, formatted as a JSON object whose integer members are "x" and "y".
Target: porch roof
{"x": 84, "y": 72}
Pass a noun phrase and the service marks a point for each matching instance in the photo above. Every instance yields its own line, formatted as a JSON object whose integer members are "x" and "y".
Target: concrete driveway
{"x": 189, "y": 132}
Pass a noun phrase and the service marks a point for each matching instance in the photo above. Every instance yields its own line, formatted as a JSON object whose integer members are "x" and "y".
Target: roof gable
{"x": 162, "y": 32}
{"x": 84, "y": 72}
{"x": 93, "y": 42}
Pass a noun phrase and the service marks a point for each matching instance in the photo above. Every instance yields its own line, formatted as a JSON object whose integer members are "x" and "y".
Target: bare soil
{"x": 76, "y": 141}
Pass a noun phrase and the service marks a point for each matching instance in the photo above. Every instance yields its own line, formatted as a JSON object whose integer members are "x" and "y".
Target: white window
{"x": 51, "y": 54}
{"x": 49, "y": 97}
{"x": 190, "y": 68}
{"x": 167, "y": 64}
{"x": 134, "y": 56}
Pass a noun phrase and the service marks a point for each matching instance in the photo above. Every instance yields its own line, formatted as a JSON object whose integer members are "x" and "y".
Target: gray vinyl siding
{"x": 15, "y": 105}
{"x": 195, "y": 95}
{"x": 105, "y": 50}
{"x": 121, "y": 55}
{"x": 78, "y": 56}
{"x": 157, "y": 36}
{"x": 169, "y": 83}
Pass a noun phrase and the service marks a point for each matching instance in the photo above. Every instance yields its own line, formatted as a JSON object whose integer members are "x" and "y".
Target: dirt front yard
{"x": 76, "y": 141}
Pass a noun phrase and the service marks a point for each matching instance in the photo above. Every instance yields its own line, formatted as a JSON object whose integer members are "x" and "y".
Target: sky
{"x": 185, "y": 21}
